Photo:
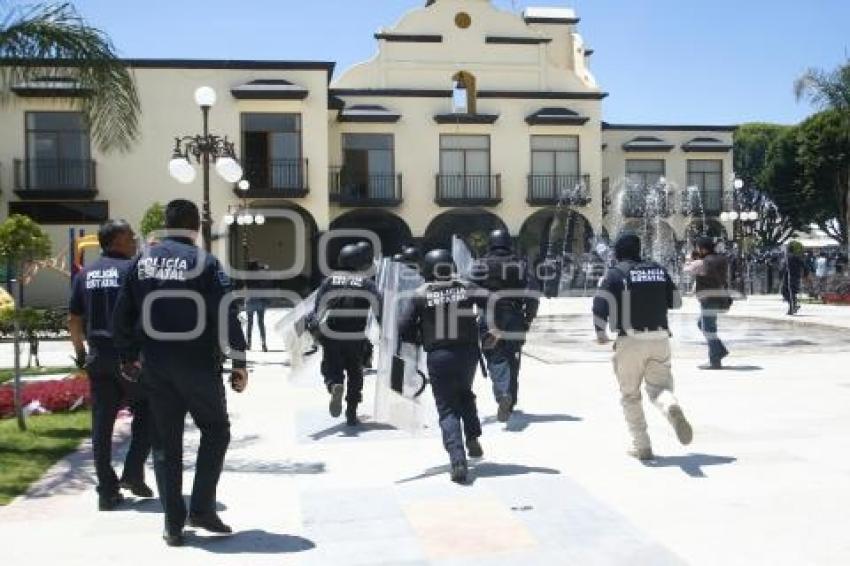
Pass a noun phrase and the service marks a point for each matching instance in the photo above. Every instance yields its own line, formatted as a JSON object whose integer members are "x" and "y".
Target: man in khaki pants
{"x": 633, "y": 299}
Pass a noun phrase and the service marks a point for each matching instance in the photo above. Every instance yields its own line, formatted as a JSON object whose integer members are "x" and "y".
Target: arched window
{"x": 464, "y": 94}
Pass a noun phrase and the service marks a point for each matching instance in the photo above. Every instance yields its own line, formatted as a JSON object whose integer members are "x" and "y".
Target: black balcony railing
{"x": 277, "y": 177}
{"x": 702, "y": 202}
{"x": 55, "y": 178}
{"x": 348, "y": 188}
{"x": 640, "y": 202}
{"x": 553, "y": 189}
{"x": 469, "y": 190}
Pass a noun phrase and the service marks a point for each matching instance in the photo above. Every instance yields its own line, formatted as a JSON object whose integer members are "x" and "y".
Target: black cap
{"x": 627, "y": 247}
{"x": 438, "y": 265}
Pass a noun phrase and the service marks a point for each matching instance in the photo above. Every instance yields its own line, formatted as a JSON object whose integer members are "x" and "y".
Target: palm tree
{"x": 52, "y": 41}
{"x": 826, "y": 89}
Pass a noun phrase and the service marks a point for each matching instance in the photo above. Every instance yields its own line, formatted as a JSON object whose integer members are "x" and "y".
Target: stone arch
{"x": 392, "y": 231}
{"x": 274, "y": 244}
{"x": 466, "y": 81}
{"x": 658, "y": 240}
{"x": 473, "y": 225}
{"x": 548, "y": 231}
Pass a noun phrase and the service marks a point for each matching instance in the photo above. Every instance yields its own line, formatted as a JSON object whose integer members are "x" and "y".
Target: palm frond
{"x": 52, "y": 41}
{"x": 825, "y": 89}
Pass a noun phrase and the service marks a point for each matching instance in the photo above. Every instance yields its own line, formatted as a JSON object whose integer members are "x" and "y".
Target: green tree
{"x": 51, "y": 40}
{"x": 153, "y": 220}
{"x": 752, "y": 144}
{"x": 22, "y": 242}
{"x": 823, "y": 158}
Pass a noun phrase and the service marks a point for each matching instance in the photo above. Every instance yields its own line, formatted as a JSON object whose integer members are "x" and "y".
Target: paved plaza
{"x": 764, "y": 482}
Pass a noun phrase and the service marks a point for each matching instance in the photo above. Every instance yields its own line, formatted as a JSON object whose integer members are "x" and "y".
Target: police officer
{"x": 507, "y": 319}
{"x": 634, "y": 298}
{"x": 339, "y": 322}
{"x": 94, "y": 293}
{"x": 177, "y": 291}
{"x": 441, "y": 318}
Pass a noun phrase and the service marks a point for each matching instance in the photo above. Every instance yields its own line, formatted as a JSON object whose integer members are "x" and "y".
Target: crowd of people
{"x": 158, "y": 326}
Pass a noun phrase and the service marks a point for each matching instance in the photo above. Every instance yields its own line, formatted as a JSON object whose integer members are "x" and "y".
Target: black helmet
{"x": 365, "y": 255}
{"x": 438, "y": 265}
{"x": 349, "y": 257}
{"x": 500, "y": 239}
{"x": 398, "y": 258}
{"x": 410, "y": 255}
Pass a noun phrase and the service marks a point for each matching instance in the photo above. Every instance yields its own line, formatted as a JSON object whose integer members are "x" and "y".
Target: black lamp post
{"x": 204, "y": 148}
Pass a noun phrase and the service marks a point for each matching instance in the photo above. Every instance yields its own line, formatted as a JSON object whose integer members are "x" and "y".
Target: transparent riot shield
{"x": 462, "y": 256}
{"x": 401, "y": 384}
{"x": 297, "y": 341}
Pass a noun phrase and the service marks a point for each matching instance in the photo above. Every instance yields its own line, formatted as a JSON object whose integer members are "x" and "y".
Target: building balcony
{"x": 468, "y": 190}
{"x": 276, "y": 178}
{"x": 640, "y": 202}
{"x": 701, "y": 202}
{"x": 546, "y": 190}
{"x": 349, "y": 189}
{"x": 55, "y": 179}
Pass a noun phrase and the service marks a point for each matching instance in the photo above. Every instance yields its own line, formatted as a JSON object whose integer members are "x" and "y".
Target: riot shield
{"x": 463, "y": 258}
{"x": 401, "y": 377}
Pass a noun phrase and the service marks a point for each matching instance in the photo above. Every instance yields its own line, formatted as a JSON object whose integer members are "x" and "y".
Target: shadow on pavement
{"x": 342, "y": 430}
{"x": 520, "y": 421}
{"x": 255, "y": 541}
{"x": 691, "y": 464}
{"x": 484, "y": 470}
{"x": 152, "y": 505}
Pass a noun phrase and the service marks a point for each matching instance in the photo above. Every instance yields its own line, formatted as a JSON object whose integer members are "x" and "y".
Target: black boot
{"x": 473, "y": 448}
{"x": 210, "y": 522}
{"x": 335, "y": 406}
{"x": 138, "y": 488}
{"x": 109, "y": 502}
{"x": 459, "y": 472}
{"x": 351, "y": 415}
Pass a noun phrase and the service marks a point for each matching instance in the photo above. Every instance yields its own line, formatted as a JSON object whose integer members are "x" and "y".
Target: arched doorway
{"x": 278, "y": 243}
{"x": 547, "y": 231}
{"x": 392, "y": 231}
{"x": 473, "y": 225}
{"x": 566, "y": 240}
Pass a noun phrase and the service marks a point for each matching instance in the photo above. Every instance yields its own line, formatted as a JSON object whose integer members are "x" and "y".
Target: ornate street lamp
{"x": 241, "y": 216}
{"x": 204, "y": 148}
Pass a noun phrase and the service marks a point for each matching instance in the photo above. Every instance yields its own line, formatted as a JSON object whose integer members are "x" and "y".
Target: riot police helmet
{"x": 411, "y": 255}
{"x": 500, "y": 240}
{"x": 438, "y": 265}
{"x": 365, "y": 254}
{"x": 349, "y": 257}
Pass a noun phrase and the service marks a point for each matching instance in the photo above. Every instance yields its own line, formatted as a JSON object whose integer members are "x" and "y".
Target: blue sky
{"x": 663, "y": 61}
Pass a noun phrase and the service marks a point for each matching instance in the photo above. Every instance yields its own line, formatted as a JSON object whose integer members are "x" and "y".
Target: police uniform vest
{"x": 446, "y": 313}
{"x": 346, "y": 307}
{"x": 645, "y": 297}
{"x": 94, "y": 296}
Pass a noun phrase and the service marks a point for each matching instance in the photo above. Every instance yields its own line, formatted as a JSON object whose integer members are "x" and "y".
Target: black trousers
{"x": 108, "y": 392}
{"x": 341, "y": 359}
{"x": 174, "y": 392}
{"x": 261, "y": 324}
{"x": 452, "y": 371}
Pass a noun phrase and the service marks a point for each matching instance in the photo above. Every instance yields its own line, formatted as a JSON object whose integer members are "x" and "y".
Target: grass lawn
{"x": 25, "y": 456}
{"x": 7, "y": 374}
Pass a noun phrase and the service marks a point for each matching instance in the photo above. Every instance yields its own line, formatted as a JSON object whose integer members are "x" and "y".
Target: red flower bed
{"x": 55, "y": 396}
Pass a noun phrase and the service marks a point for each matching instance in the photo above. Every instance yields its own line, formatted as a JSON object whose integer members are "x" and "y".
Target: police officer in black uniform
{"x": 338, "y": 321}
{"x": 634, "y": 298}
{"x": 177, "y": 291}
{"x": 95, "y": 291}
{"x": 441, "y": 318}
{"x": 504, "y": 325}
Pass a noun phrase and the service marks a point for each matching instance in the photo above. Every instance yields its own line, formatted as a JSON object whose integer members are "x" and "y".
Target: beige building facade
{"x": 467, "y": 118}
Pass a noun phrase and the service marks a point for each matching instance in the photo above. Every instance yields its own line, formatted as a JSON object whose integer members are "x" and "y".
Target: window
{"x": 271, "y": 151}
{"x": 554, "y": 166}
{"x": 644, "y": 173}
{"x": 465, "y": 166}
{"x": 368, "y": 166}
{"x": 707, "y": 175}
{"x": 58, "y": 151}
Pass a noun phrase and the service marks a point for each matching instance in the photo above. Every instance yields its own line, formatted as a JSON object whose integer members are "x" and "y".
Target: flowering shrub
{"x": 55, "y": 396}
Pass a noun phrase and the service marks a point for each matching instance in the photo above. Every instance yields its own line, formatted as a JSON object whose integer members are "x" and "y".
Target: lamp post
{"x": 204, "y": 148}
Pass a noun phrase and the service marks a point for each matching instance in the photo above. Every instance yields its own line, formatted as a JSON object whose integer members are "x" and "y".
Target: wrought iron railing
{"x": 284, "y": 176}
{"x": 55, "y": 175}
{"x": 553, "y": 189}
{"x": 348, "y": 188}
{"x": 453, "y": 189}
